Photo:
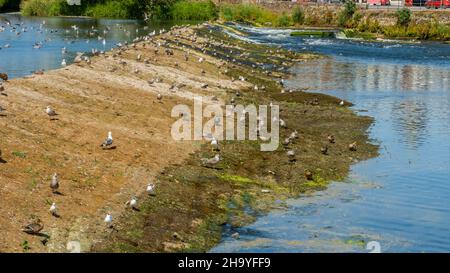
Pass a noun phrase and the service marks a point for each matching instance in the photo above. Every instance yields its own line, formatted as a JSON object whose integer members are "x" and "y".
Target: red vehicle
{"x": 378, "y": 2}
{"x": 437, "y": 4}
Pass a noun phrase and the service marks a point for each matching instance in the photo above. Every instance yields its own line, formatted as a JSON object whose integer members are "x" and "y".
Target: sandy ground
{"x": 90, "y": 101}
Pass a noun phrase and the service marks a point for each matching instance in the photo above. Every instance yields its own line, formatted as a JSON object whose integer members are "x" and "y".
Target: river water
{"x": 19, "y": 56}
{"x": 401, "y": 198}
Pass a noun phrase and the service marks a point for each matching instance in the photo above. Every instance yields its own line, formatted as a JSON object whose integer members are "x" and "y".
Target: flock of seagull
{"x": 36, "y": 226}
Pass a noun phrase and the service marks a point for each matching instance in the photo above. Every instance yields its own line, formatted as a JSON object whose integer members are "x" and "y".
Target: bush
{"x": 298, "y": 16}
{"x": 347, "y": 13}
{"x": 403, "y": 17}
{"x": 283, "y": 21}
{"x": 246, "y": 13}
{"x": 194, "y": 10}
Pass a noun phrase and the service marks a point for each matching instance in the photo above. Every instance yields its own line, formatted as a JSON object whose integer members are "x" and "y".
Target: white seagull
{"x": 108, "y": 141}
{"x": 54, "y": 184}
{"x": 108, "y": 220}
{"x": 151, "y": 189}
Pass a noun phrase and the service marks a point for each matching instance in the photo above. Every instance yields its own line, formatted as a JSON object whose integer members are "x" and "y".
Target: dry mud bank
{"x": 192, "y": 203}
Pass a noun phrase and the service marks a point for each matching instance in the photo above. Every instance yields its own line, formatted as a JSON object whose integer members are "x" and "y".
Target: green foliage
{"x": 283, "y": 20}
{"x": 246, "y": 13}
{"x": 194, "y": 10}
{"x": 298, "y": 16}
{"x": 122, "y": 9}
{"x": 347, "y": 13}
{"x": 403, "y": 17}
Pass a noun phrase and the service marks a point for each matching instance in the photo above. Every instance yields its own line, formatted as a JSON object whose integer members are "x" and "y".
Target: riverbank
{"x": 192, "y": 203}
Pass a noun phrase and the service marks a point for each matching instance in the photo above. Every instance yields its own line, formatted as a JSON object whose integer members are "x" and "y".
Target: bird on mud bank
{"x": 108, "y": 220}
{"x": 215, "y": 144}
{"x": 1, "y": 111}
{"x": 308, "y": 175}
{"x": 4, "y": 77}
{"x": 108, "y": 142}
{"x": 352, "y": 146}
{"x": 150, "y": 189}
{"x": 132, "y": 203}
{"x": 324, "y": 150}
{"x": 54, "y": 210}
{"x": 50, "y": 112}
{"x": 34, "y": 227}
{"x": 211, "y": 161}
{"x": 54, "y": 184}
{"x": 331, "y": 139}
{"x": 291, "y": 155}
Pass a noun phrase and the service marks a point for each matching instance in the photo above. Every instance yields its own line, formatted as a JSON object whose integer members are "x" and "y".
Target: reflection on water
{"x": 31, "y": 43}
{"x": 399, "y": 198}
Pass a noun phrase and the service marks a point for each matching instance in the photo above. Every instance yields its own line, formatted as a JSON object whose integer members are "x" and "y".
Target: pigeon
{"x": 108, "y": 141}
{"x": 54, "y": 184}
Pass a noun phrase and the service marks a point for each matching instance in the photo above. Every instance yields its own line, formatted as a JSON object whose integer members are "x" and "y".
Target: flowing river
{"x": 399, "y": 199}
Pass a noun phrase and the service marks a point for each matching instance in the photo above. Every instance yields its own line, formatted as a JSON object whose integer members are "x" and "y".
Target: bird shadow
{"x": 109, "y": 148}
{"x": 54, "y": 119}
{"x": 58, "y": 193}
{"x": 212, "y": 167}
{"x": 136, "y": 209}
{"x": 2, "y": 161}
{"x": 4, "y": 94}
{"x": 3, "y": 115}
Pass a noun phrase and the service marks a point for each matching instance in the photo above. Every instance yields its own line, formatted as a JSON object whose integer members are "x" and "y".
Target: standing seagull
{"x": 50, "y": 112}
{"x": 132, "y": 203}
{"x": 63, "y": 63}
{"x": 108, "y": 220}
{"x": 151, "y": 189}
{"x": 54, "y": 210}
{"x": 108, "y": 141}
{"x": 54, "y": 184}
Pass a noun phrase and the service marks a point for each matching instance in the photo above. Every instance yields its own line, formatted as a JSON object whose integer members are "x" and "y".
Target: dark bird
{"x": 308, "y": 175}
{"x": 4, "y": 76}
{"x": 324, "y": 150}
{"x": 34, "y": 227}
{"x": 330, "y": 138}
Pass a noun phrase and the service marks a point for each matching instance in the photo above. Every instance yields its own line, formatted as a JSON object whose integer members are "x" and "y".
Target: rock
{"x": 172, "y": 247}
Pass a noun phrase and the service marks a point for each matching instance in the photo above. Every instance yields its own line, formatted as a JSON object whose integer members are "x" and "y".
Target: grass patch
{"x": 19, "y": 154}
{"x": 314, "y": 33}
{"x": 194, "y": 10}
